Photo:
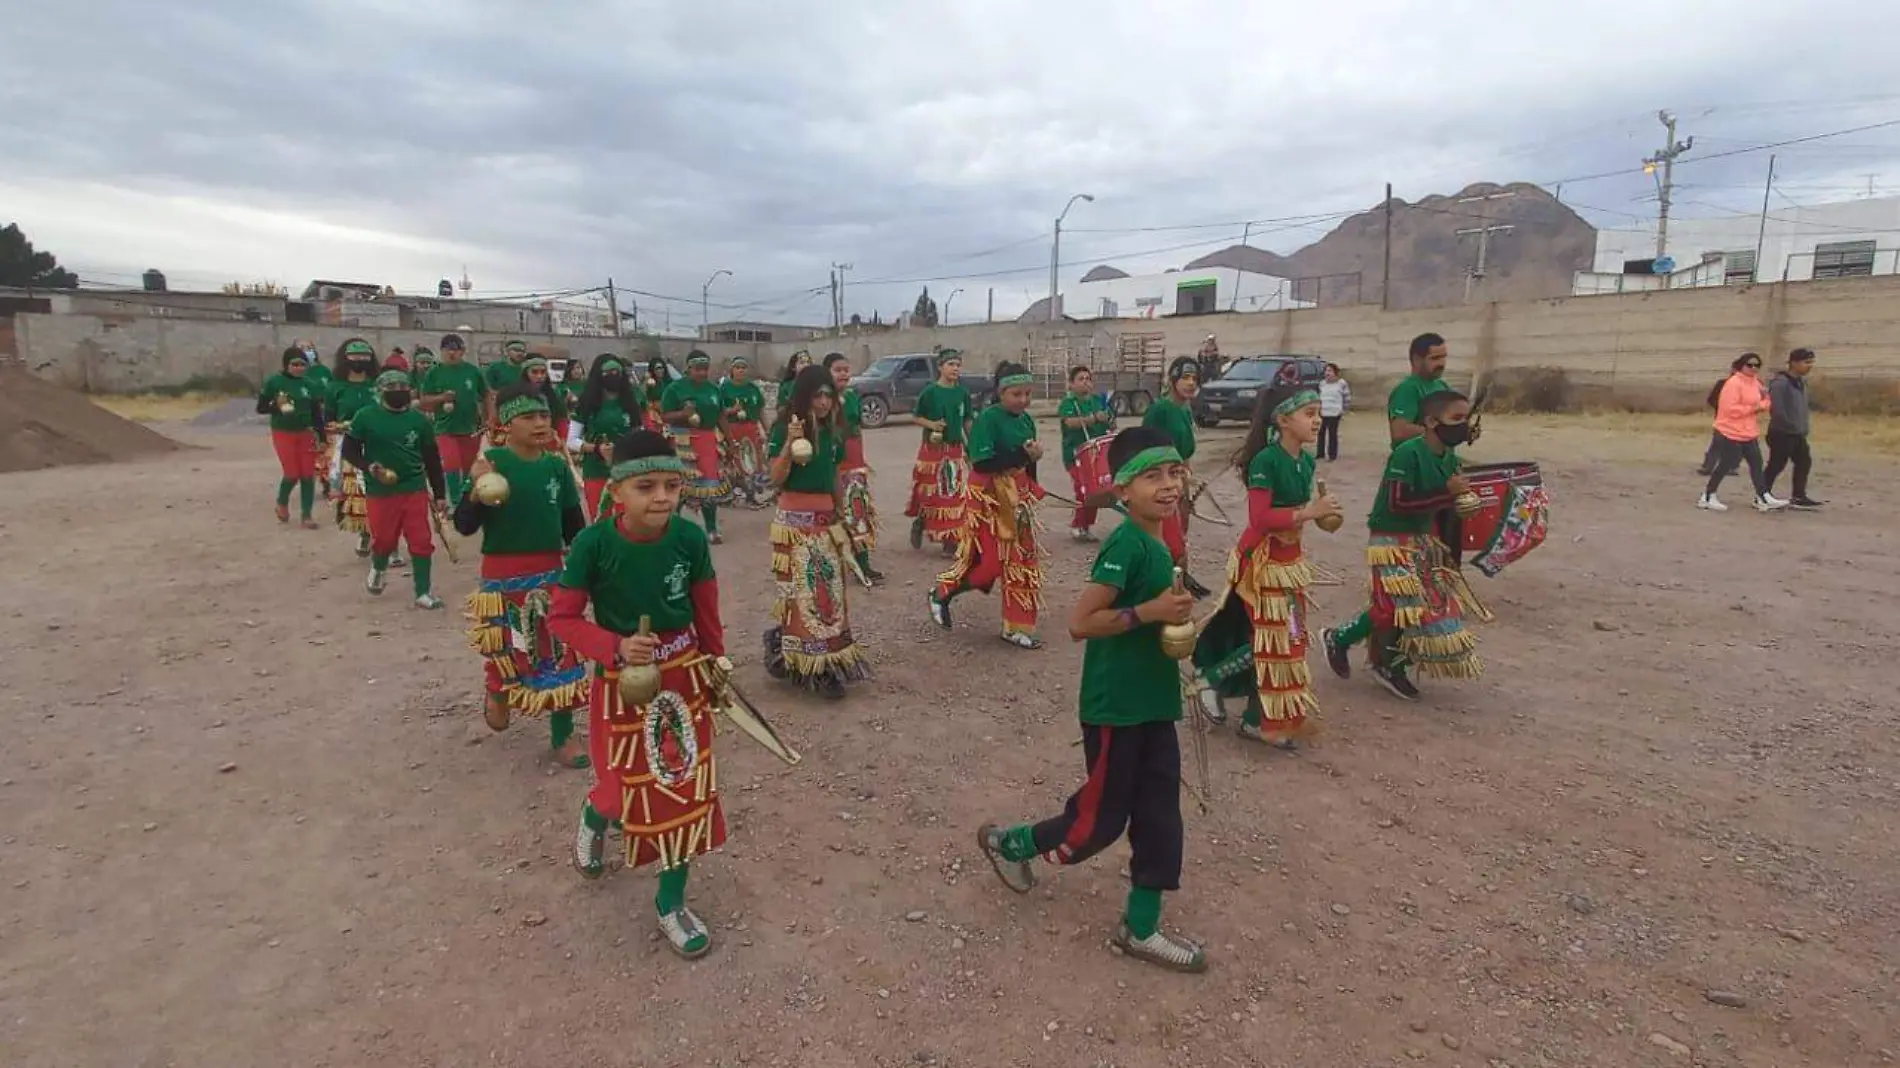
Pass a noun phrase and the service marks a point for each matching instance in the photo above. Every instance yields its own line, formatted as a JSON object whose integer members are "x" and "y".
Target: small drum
{"x": 1094, "y": 482}
{"x": 1515, "y": 517}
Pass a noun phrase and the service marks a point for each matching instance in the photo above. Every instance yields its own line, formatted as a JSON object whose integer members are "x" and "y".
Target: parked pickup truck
{"x": 891, "y": 384}
{"x": 1234, "y": 394}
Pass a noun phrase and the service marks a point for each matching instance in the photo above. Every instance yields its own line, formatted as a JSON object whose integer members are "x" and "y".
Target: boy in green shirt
{"x": 394, "y": 444}
{"x": 942, "y": 471}
{"x": 352, "y": 388}
{"x": 1416, "y": 616}
{"x": 295, "y": 406}
{"x": 457, "y": 395}
{"x": 528, "y": 510}
{"x": 1084, "y": 418}
{"x": 1130, "y": 703}
{"x": 691, "y": 409}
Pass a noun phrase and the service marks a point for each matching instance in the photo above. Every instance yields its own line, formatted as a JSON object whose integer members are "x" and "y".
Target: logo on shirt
{"x": 554, "y": 491}
{"x": 676, "y": 582}
{"x": 409, "y": 440}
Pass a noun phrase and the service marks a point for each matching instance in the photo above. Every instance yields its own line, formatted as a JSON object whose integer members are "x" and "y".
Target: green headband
{"x": 699, "y": 359}
{"x": 392, "y": 379}
{"x": 519, "y": 406}
{"x": 515, "y": 346}
{"x": 1011, "y": 381}
{"x": 534, "y": 361}
{"x": 739, "y": 361}
{"x": 1287, "y": 407}
{"x": 359, "y": 348}
{"x": 1145, "y": 459}
{"x": 611, "y": 365}
{"x": 664, "y": 464}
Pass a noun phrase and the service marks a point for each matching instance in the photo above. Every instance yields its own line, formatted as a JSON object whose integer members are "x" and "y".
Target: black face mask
{"x": 612, "y": 379}
{"x": 1454, "y": 434}
{"x": 396, "y": 399}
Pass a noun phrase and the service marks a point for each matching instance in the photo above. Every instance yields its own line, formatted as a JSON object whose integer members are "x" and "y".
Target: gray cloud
{"x": 554, "y": 145}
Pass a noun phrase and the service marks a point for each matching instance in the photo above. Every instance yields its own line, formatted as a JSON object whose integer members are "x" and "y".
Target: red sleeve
{"x": 1263, "y": 518}
{"x": 706, "y": 623}
{"x": 567, "y": 621}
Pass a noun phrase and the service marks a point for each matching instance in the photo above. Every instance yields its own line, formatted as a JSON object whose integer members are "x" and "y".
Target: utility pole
{"x": 1385, "y": 282}
{"x": 1761, "y": 229}
{"x": 613, "y": 308}
{"x": 989, "y": 313}
{"x": 835, "y": 325}
{"x": 1055, "y": 251}
{"x": 837, "y": 296}
{"x": 704, "y": 335}
{"x": 1665, "y": 158}
{"x": 1484, "y": 230}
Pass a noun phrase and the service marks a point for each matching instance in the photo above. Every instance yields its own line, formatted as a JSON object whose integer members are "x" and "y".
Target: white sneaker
{"x": 377, "y": 580}
{"x": 1768, "y": 502}
{"x": 1174, "y": 954}
{"x": 1711, "y": 504}
{"x": 429, "y": 601}
{"x": 1211, "y": 707}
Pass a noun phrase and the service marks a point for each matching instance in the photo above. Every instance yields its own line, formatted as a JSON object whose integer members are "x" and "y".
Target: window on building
{"x": 1738, "y": 268}
{"x": 1194, "y": 298}
{"x": 1844, "y": 259}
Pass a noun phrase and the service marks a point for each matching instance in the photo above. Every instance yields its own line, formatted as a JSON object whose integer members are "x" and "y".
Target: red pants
{"x": 296, "y": 452}
{"x": 402, "y": 517}
{"x": 1174, "y": 535}
{"x": 1084, "y": 515}
{"x": 459, "y": 451}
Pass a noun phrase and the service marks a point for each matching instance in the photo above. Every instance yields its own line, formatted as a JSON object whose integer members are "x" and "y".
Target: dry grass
{"x": 160, "y": 408}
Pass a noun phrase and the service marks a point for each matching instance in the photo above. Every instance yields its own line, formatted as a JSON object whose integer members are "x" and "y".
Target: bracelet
{"x": 1131, "y": 617}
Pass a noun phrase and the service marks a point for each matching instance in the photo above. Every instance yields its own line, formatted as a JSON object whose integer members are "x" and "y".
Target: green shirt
{"x": 1074, "y": 406}
{"x": 1408, "y": 397}
{"x": 465, "y": 380}
{"x": 818, "y": 474}
{"x": 395, "y": 440}
{"x": 609, "y": 424}
{"x": 703, "y": 397}
{"x": 629, "y": 579}
{"x": 304, "y": 397}
{"x": 539, "y": 492}
{"x": 1415, "y": 466}
{"x": 747, "y": 395}
{"x": 1288, "y": 478}
{"x": 319, "y": 373}
{"x": 996, "y": 432}
{"x": 347, "y": 398}
{"x": 948, "y": 403}
{"x": 1172, "y": 418}
{"x": 853, "y": 407}
{"x": 501, "y": 374}
{"x": 1126, "y": 678}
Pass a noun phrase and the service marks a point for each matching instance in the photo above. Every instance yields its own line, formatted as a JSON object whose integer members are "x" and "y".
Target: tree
{"x": 925, "y": 313}
{"x": 21, "y": 266}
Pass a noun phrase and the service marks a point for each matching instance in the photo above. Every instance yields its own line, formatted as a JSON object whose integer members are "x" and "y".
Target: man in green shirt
{"x": 392, "y": 442}
{"x": 1130, "y": 703}
{"x": 503, "y": 373}
{"x": 295, "y": 406}
{"x": 1404, "y": 405}
{"x": 457, "y": 394}
{"x": 942, "y": 471}
{"x": 1084, "y": 418}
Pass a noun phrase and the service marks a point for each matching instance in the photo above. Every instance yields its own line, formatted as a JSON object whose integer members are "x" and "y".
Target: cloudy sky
{"x": 549, "y": 146}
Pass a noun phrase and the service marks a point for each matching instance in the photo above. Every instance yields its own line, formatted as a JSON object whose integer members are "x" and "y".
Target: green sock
{"x": 672, "y": 893}
{"x": 710, "y": 513}
{"x": 380, "y": 561}
{"x": 454, "y": 481}
{"x": 1251, "y": 717}
{"x": 560, "y": 728}
{"x": 1019, "y": 844}
{"x": 1143, "y": 913}
{"x": 306, "y": 495}
{"x": 420, "y": 566}
{"x": 593, "y": 820}
{"x": 283, "y": 491}
{"x": 1355, "y": 632}
{"x": 864, "y": 560}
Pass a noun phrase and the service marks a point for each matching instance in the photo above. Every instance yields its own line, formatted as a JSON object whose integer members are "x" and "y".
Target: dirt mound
{"x": 43, "y": 425}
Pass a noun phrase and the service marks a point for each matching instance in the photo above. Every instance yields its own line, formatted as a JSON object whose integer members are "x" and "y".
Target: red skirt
{"x": 938, "y": 483}
{"x": 507, "y": 617}
{"x": 998, "y": 541}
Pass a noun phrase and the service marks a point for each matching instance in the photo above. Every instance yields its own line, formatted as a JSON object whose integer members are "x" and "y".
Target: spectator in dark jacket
{"x": 1788, "y": 427}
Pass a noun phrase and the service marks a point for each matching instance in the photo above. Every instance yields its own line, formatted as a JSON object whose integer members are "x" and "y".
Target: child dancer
{"x": 1416, "y": 616}
{"x": 1084, "y": 418}
{"x": 697, "y": 421}
{"x": 1173, "y": 415}
{"x": 352, "y": 389}
{"x": 456, "y": 394}
{"x": 1256, "y": 644}
{"x": 648, "y": 575}
{"x": 810, "y": 639}
{"x": 1130, "y": 702}
{"x": 610, "y": 406}
{"x": 295, "y": 407}
{"x": 941, "y": 473}
{"x": 854, "y": 474}
{"x": 526, "y": 669}
{"x": 393, "y": 443}
{"x": 744, "y": 402}
{"x": 999, "y": 520}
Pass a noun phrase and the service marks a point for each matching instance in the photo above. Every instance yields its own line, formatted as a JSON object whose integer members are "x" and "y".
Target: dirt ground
{"x": 250, "y": 816}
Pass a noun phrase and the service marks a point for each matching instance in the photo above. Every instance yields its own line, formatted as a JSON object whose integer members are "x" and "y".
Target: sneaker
{"x": 917, "y": 533}
{"x": 1805, "y": 504}
{"x": 1193, "y": 587}
{"x": 939, "y": 610}
{"x": 872, "y": 573}
{"x": 283, "y": 513}
{"x": 830, "y": 687}
{"x": 1395, "y": 681}
{"x": 1174, "y": 954}
{"x": 1257, "y": 733}
{"x": 1211, "y": 708}
{"x": 590, "y": 852}
{"x": 716, "y": 538}
{"x": 429, "y": 602}
{"x": 1018, "y": 875}
{"x": 688, "y": 937}
{"x": 362, "y": 546}
{"x": 308, "y": 523}
{"x": 1338, "y": 657}
{"x": 378, "y": 580}
{"x": 1709, "y": 503}
{"x": 1768, "y": 502}
{"x": 1082, "y": 534}
{"x": 397, "y": 560}
{"x": 1022, "y": 640}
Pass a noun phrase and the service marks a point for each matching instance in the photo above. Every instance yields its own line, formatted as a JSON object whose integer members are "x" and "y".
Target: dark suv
{"x": 1233, "y": 394}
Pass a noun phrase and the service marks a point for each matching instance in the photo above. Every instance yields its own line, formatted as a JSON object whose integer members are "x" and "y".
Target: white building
{"x": 1852, "y": 238}
{"x": 1150, "y": 296}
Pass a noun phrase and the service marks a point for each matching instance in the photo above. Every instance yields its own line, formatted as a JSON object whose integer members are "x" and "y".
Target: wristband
{"x": 1131, "y": 617}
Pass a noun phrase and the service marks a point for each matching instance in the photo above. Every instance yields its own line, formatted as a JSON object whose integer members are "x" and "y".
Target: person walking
{"x": 1788, "y": 428}
{"x": 1335, "y": 399}
{"x": 1743, "y": 398}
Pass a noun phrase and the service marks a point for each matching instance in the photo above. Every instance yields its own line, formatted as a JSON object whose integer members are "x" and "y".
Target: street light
{"x": 703, "y": 321}
{"x": 945, "y": 321}
{"x": 1055, "y": 251}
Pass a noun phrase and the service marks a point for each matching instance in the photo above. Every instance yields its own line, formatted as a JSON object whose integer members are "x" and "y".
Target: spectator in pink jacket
{"x": 1738, "y": 429}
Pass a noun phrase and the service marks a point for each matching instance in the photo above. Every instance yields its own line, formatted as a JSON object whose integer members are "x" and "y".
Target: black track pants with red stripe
{"x": 1134, "y": 784}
